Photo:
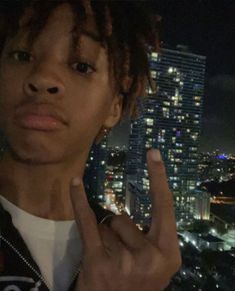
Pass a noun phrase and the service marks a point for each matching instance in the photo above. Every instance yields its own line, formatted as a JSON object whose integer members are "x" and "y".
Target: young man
{"x": 68, "y": 71}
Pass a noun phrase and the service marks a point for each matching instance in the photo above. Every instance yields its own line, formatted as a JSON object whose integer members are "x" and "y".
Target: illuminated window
{"x": 149, "y": 121}
{"x": 178, "y": 151}
{"x": 194, "y": 137}
{"x": 178, "y": 133}
{"x": 166, "y": 103}
{"x": 193, "y": 149}
{"x": 154, "y": 56}
{"x": 150, "y": 110}
{"x": 149, "y": 130}
{"x": 166, "y": 112}
{"x": 149, "y": 90}
{"x": 153, "y": 74}
{"x": 161, "y": 139}
{"x": 176, "y": 103}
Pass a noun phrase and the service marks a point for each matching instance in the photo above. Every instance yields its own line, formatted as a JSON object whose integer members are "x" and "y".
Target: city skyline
{"x": 201, "y": 181}
{"x": 207, "y": 28}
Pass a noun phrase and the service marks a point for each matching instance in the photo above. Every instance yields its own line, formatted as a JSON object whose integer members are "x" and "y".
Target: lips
{"x": 41, "y": 117}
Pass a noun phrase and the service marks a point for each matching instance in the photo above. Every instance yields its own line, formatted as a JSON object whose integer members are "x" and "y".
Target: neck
{"x": 42, "y": 190}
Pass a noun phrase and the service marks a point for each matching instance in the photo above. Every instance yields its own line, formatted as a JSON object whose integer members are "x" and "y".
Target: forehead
{"x": 63, "y": 17}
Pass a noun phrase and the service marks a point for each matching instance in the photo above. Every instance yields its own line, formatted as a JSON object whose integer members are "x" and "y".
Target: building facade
{"x": 94, "y": 176}
{"x": 169, "y": 120}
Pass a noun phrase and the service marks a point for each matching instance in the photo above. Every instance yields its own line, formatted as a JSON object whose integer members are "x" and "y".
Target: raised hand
{"x": 120, "y": 257}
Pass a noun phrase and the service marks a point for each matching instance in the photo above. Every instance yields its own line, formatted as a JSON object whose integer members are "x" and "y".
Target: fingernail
{"x": 76, "y": 182}
{"x": 156, "y": 155}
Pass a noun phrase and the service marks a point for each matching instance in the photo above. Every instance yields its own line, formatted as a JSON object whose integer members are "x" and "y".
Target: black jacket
{"x": 18, "y": 270}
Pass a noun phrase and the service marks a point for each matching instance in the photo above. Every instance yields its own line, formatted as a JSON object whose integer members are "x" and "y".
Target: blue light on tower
{"x": 178, "y": 133}
{"x": 222, "y": 157}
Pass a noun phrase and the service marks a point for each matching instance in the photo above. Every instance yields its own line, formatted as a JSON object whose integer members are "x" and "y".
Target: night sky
{"x": 208, "y": 28}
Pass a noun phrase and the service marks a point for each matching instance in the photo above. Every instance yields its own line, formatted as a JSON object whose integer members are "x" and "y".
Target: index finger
{"x": 163, "y": 225}
{"x": 85, "y": 217}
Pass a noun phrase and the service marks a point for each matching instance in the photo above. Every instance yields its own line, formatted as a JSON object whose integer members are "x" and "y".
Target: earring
{"x": 104, "y": 131}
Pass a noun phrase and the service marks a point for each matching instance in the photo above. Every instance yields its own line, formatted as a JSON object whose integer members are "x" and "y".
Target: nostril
{"x": 53, "y": 90}
{"x": 32, "y": 88}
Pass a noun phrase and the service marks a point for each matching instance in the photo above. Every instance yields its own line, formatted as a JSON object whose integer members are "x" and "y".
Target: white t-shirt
{"x": 55, "y": 245}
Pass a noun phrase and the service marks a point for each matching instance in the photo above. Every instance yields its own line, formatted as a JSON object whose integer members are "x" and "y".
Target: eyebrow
{"x": 94, "y": 36}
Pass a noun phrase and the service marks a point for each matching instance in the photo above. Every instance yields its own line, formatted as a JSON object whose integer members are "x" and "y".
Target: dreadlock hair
{"x": 128, "y": 29}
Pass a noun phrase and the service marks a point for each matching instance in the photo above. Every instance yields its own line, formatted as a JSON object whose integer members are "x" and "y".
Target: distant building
{"x": 170, "y": 121}
{"x": 223, "y": 217}
{"x": 115, "y": 173}
{"x": 201, "y": 205}
{"x": 138, "y": 205}
{"x": 94, "y": 177}
{"x": 216, "y": 166}
{"x": 206, "y": 241}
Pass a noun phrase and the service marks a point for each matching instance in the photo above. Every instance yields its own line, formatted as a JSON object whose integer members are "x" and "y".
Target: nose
{"x": 44, "y": 82}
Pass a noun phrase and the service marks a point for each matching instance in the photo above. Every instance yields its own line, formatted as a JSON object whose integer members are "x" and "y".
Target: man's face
{"x": 55, "y": 98}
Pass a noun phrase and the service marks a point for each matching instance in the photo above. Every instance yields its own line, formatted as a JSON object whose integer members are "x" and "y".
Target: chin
{"x": 38, "y": 148}
{"x": 35, "y": 157}
{"x": 35, "y": 152}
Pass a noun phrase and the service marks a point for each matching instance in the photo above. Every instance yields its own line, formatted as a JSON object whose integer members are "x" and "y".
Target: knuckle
{"x": 118, "y": 220}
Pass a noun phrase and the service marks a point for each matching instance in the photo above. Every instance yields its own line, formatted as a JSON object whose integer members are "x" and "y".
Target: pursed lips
{"x": 42, "y": 117}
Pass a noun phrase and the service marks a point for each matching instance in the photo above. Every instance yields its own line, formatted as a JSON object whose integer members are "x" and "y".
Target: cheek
{"x": 10, "y": 92}
{"x": 90, "y": 106}
{"x": 10, "y": 86}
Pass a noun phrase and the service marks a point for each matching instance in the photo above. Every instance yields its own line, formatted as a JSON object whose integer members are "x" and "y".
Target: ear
{"x": 115, "y": 111}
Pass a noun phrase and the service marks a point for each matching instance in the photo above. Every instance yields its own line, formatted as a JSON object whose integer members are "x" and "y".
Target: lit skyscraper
{"x": 170, "y": 121}
{"x": 94, "y": 177}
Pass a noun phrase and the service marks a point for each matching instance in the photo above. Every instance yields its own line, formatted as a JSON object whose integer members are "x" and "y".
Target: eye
{"x": 83, "y": 67}
{"x": 20, "y": 56}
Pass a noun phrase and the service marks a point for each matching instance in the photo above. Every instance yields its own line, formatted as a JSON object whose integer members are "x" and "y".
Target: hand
{"x": 120, "y": 257}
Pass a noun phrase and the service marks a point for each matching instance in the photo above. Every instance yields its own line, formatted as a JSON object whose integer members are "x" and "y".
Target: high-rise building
{"x": 201, "y": 207}
{"x": 116, "y": 173}
{"x": 169, "y": 120}
{"x": 94, "y": 177}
